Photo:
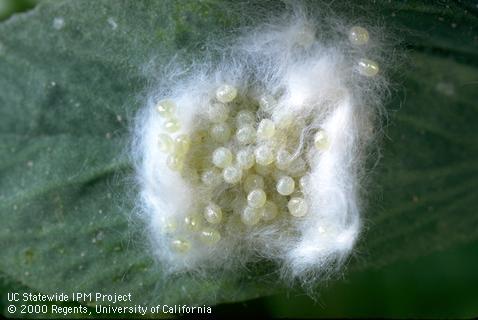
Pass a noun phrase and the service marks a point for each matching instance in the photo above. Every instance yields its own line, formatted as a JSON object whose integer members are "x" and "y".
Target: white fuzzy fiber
{"x": 317, "y": 78}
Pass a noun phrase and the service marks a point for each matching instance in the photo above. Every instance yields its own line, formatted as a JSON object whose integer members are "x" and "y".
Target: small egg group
{"x": 359, "y": 36}
{"x": 175, "y": 147}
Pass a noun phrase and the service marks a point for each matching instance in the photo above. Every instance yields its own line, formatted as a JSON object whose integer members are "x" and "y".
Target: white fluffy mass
{"x": 320, "y": 86}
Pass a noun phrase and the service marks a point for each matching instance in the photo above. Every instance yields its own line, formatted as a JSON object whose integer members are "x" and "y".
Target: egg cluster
{"x": 246, "y": 167}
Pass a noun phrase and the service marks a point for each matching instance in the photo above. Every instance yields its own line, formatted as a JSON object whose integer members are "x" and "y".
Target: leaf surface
{"x": 72, "y": 76}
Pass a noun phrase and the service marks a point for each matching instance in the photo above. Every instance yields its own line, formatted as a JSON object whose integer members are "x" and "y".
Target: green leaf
{"x": 72, "y": 76}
